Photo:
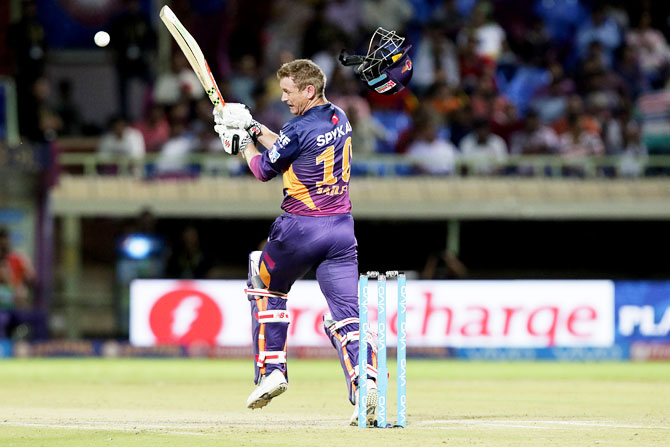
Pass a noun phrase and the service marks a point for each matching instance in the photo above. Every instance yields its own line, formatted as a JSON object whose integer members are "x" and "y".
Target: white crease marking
{"x": 537, "y": 424}
{"x": 132, "y": 428}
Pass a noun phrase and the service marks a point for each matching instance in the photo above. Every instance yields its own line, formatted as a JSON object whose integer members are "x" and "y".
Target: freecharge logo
{"x": 185, "y": 316}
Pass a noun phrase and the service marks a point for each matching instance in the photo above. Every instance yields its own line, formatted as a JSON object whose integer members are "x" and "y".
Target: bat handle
{"x": 236, "y": 145}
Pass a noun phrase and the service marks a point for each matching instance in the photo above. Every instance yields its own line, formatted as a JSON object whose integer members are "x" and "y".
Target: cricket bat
{"x": 194, "y": 55}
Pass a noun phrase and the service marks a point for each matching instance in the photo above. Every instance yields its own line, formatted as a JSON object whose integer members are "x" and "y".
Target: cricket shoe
{"x": 371, "y": 404}
{"x": 268, "y": 388}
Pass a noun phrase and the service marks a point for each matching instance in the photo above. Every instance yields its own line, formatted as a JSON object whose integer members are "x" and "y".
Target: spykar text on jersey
{"x": 313, "y": 154}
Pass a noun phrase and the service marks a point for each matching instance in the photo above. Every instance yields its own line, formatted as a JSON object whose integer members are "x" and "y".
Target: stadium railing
{"x": 382, "y": 165}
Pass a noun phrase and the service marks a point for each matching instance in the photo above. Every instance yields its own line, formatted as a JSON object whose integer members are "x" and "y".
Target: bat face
{"x": 194, "y": 55}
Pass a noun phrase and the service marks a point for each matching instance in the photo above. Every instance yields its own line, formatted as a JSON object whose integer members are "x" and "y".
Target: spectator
{"x": 575, "y": 107}
{"x": 17, "y": 275}
{"x": 601, "y": 28}
{"x": 634, "y": 157}
{"x": 596, "y": 77}
{"x": 482, "y": 151}
{"x": 155, "y": 128}
{"x": 614, "y": 129}
{"x": 244, "y": 79}
{"x": 445, "y": 100}
{"x": 508, "y": 63}
{"x": 577, "y": 141}
{"x": 472, "y": 65}
{"x": 485, "y": 99}
{"x": 604, "y": 106}
{"x": 366, "y": 131}
{"x": 285, "y": 30}
{"x": 180, "y": 113}
{"x": 562, "y": 18}
{"x": 430, "y": 153}
{"x": 17, "y": 281}
{"x": 534, "y": 42}
{"x": 577, "y": 144}
{"x": 506, "y": 121}
{"x": 535, "y": 138}
{"x": 204, "y": 139}
{"x": 435, "y": 60}
{"x": 350, "y": 96}
{"x": 489, "y": 35}
{"x": 527, "y": 80}
{"x": 67, "y": 110}
{"x": 616, "y": 9}
{"x": 326, "y": 58}
{"x": 652, "y": 49}
{"x": 121, "y": 142}
{"x": 174, "y": 157}
{"x": 551, "y": 101}
{"x": 132, "y": 44}
{"x": 45, "y": 124}
{"x": 633, "y": 79}
{"x": 179, "y": 83}
{"x": 461, "y": 123}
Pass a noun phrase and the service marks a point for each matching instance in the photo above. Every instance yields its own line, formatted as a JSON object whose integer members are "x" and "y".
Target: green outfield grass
{"x": 137, "y": 402}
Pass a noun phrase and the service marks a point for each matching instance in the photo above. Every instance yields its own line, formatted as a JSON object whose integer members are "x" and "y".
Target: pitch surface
{"x": 155, "y": 402}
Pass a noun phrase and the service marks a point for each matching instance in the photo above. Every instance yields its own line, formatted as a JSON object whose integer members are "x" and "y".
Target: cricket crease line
{"x": 522, "y": 424}
{"x": 105, "y": 426}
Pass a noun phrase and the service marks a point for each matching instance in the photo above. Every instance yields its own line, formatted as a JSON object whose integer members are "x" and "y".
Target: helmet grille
{"x": 384, "y": 49}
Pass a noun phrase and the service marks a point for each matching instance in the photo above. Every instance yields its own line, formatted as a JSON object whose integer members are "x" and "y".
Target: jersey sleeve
{"x": 280, "y": 156}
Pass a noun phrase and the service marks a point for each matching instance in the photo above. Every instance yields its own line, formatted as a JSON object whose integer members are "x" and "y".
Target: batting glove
{"x": 233, "y": 140}
{"x": 237, "y": 116}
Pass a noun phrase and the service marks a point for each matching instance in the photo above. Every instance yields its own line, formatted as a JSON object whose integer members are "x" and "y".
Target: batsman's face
{"x": 295, "y": 99}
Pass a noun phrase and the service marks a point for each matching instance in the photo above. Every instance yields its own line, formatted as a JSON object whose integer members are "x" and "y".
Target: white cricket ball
{"x": 101, "y": 38}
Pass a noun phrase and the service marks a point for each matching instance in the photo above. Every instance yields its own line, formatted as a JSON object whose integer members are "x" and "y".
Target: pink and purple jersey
{"x": 313, "y": 153}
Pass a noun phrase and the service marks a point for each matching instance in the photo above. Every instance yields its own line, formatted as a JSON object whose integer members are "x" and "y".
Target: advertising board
{"x": 459, "y": 314}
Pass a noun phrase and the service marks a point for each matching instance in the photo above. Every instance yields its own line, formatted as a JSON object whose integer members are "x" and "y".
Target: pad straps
{"x": 265, "y": 293}
{"x": 273, "y": 316}
{"x": 264, "y": 357}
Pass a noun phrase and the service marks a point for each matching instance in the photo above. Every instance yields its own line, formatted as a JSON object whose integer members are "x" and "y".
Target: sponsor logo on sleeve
{"x": 283, "y": 139}
{"x": 281, "y": 142}
{"x": 274, "y": 154}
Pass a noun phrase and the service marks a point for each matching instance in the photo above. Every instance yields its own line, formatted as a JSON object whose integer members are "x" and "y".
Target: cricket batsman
{"x": 313, "y": 154}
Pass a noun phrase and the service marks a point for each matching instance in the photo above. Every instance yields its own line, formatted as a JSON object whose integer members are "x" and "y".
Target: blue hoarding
{"x": 642, "y": 311}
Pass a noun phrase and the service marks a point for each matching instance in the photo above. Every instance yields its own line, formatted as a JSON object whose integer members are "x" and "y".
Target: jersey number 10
{"x": 327, "y": 157}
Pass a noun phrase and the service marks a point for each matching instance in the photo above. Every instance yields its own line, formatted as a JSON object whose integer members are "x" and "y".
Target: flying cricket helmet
{"x": 387, "y": 67}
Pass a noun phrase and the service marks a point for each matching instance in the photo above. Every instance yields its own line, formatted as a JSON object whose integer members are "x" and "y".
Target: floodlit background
{"x": 521, "y": 181}
{"x": 531, "y": 144}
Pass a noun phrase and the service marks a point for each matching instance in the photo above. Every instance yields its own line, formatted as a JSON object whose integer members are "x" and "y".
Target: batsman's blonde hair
{"x": 304, "y": 72}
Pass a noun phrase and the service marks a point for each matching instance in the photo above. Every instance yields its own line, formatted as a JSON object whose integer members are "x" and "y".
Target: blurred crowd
{"x": 493, "y": 79}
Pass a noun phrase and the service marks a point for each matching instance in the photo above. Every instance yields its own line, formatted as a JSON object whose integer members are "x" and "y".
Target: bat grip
{"x": 236, "y": 145}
